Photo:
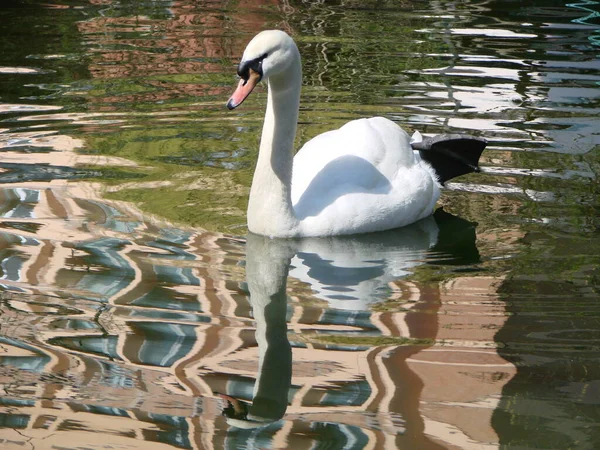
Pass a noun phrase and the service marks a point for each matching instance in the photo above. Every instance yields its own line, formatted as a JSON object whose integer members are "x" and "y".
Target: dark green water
{"x": 125, "y": 271}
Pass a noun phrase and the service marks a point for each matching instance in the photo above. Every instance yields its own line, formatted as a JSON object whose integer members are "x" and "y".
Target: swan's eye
{"x": 254, "y": 64}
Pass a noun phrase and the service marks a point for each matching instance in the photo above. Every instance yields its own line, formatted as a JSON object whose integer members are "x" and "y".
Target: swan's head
{"x": 268, "y": 54}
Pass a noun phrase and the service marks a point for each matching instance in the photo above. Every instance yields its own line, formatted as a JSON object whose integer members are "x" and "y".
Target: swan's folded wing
{"x": 364, "y": 154}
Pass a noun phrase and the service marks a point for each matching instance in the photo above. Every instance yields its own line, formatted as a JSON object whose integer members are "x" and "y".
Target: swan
{"x": 360, "y": 178}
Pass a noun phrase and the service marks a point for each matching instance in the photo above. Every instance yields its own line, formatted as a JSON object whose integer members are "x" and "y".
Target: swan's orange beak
{"x": 244, "y": 89}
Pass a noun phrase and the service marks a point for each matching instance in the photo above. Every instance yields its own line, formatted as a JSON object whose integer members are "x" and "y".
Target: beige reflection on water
{"x": 57, "y": 296}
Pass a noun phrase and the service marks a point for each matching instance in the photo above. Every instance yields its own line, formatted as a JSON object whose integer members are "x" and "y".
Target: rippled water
{"x": 126, "y": 273}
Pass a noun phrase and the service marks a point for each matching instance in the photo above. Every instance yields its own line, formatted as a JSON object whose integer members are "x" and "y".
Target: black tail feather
{"x": 451, "y": 155}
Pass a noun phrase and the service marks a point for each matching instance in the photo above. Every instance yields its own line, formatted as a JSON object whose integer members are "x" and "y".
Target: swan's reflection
{"x": 353, "y": 272}
{"x": 267, "y": 266}
{"x": 348, "y": 272}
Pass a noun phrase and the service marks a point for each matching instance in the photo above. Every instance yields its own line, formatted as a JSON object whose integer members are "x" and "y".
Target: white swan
{"x": 360, "y": 178}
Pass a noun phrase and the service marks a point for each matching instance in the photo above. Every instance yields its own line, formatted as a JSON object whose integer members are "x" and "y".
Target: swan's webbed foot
{"x": 451, "y": 155}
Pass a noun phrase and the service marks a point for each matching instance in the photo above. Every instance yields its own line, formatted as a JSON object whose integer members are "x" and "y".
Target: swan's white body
{"x": 361, "y": 178}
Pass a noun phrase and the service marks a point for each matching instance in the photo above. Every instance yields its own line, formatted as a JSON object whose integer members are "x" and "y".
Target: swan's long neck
{"x": 270, "y": 210}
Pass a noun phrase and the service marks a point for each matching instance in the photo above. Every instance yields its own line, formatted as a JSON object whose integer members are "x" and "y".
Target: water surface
{"x": 136, "y": 312}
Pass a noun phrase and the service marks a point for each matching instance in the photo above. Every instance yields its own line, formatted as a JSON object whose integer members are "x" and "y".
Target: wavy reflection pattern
{"x": 114, "y": 325}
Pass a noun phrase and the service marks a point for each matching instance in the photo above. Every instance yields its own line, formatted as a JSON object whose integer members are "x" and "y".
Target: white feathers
{"x": 363, "y": 177}
{"x": 360, "y": 178}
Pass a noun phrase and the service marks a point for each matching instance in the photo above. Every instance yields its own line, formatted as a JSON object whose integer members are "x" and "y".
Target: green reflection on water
{"x": 161, "y": 88}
